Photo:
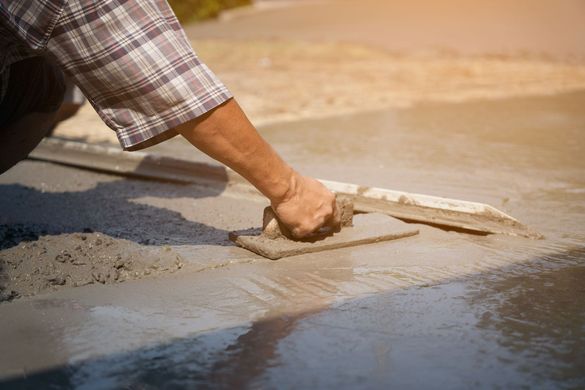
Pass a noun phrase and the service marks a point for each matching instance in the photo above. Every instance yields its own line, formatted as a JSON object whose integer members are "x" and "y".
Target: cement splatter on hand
{"x": 71, "y": 260}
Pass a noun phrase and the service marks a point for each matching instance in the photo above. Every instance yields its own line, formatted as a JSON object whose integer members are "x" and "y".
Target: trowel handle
{"x": 272, "y": 227}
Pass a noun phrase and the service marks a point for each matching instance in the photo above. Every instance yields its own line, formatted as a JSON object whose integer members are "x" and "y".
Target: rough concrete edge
{"x": 461, "y": 214}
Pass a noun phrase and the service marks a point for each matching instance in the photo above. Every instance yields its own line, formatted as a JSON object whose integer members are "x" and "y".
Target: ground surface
{"x": 324, "y": 59}
{"x": 441, "y": 309}
{"x": 39, "y": 263}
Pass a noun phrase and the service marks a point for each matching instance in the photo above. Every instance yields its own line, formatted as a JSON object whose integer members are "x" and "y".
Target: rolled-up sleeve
{"x": 135, "y": 65}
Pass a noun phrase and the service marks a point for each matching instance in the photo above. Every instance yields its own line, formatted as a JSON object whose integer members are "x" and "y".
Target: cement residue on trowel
{"x": 273, "y": 228}
{"x": 367, "y": 229}
{"x": 31, "y": 266}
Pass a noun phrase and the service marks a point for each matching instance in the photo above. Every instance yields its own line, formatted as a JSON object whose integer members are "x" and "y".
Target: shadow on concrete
{"x": 27, "y": 213}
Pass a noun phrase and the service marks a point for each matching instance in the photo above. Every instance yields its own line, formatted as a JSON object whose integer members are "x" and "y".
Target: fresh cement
{"x": 462, "y": 310}
{"x": 34, "y": 262}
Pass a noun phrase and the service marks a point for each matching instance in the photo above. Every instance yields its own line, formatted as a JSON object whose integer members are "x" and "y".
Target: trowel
{"x": 275, "y": 241}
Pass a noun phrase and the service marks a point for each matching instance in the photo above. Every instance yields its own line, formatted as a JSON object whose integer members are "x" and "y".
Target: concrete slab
{"x": 232, "y": 319}
{"x": 461, "y": 309}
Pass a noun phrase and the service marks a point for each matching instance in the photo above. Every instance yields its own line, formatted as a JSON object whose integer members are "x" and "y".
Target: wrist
{"x": 287, "y": 190}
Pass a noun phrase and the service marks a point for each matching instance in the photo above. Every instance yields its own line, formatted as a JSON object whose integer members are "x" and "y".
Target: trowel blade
{"x": 366, "y": 229}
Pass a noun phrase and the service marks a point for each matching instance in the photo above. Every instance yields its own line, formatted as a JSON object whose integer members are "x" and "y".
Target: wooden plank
{"x": 452, "y": 213}
{"x": 461, "y": 214}
{"x": 140, "y": 164}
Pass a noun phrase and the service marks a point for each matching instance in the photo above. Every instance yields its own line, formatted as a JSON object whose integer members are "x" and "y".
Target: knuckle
{"x": 296, "y": 233}
{"x": 309, "y": 228}
{"x": 301, "y": 231}
{"x": 327, "y": 209}
{"x": 319, "y": 221}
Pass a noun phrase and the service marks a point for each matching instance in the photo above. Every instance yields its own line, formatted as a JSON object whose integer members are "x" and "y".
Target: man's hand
{"x": 226, "y": 134}
{"x": 307, "y": 206}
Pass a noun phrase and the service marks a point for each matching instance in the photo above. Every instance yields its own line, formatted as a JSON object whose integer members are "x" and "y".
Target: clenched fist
{"x": 306, "y": 207}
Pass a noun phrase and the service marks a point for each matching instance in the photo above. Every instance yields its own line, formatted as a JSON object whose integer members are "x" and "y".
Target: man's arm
{"x": 151, "y": 86}
{"x": 226, "y": 134}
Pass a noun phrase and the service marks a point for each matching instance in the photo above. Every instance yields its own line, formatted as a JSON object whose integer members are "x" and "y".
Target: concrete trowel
{"x": 275, "y": 241}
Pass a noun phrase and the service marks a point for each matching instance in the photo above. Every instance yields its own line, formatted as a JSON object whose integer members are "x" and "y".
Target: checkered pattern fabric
{"x": 130, "y": 58}
{"x": 32, "y": 21}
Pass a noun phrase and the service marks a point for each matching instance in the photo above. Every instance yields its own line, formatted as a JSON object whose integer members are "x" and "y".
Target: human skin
{"x": 226, "y": 134}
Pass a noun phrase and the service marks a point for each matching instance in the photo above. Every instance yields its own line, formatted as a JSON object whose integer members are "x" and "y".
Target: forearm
{"x": 227, "y": 135}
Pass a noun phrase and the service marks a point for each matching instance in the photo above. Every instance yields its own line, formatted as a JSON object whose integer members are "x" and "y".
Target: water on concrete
{"x": 492, "y": 332}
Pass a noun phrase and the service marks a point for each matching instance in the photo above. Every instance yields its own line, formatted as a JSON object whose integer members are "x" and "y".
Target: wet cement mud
{"x": 439, "y": 309}
{"x": 504, "y": 331}
{"x": 91, "y": 229}
{"x": 542, "y": 317}
{"x": 31, "y": 263}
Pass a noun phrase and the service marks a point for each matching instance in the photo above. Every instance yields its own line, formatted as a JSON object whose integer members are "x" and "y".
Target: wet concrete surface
{"x": 517, "y": 154}
{"x": 440, "y": 308}
{"x": 491, "y": 332}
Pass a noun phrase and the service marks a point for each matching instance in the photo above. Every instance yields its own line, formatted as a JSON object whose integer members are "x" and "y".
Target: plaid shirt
{"x": 130, "y": 58}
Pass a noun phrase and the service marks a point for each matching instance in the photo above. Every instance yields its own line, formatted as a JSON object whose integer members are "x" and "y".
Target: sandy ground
{"x": 441, "y": 308}
{"x": 338, "y": 79}
{"x": 552, "y": 28}
{"x": 375, "y": 55}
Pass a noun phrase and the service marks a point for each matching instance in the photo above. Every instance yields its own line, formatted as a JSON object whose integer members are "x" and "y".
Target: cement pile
{"x": 35, "y": 263}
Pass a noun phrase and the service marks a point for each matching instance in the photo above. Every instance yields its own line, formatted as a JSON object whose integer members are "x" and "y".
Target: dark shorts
{"x": 35, "y": 84}
{"x": 34, "y": 92}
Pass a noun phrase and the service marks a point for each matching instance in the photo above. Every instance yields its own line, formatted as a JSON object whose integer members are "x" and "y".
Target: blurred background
{"x": 348, "y": 56}
{"x": 194, "y": 10}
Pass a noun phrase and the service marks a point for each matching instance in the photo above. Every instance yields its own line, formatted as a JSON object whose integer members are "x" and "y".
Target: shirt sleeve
{"x": 32, "y": 21}
{"x": 134, "y": 64}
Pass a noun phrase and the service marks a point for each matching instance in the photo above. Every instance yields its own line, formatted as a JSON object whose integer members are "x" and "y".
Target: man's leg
{"x": 72, "y": 102}
{"x": 28, "y": 110}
